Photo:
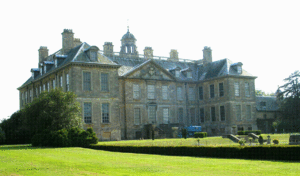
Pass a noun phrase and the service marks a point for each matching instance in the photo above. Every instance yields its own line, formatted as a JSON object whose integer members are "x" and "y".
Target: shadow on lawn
{"x": 21, "y": 147}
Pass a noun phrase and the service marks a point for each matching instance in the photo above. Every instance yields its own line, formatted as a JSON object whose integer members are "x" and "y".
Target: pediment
{"x": 150, "y": 70}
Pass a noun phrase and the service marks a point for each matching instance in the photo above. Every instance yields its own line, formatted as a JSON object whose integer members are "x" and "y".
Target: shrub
{"x": 200, "y": 134}
{"x": 242, "y": 142}
{"x": 184, "y": 133}
{"x": 261, "y": 140}
{"x": 275, "y": 141}
{"x": 60, "y": 138}
{"x": 241, "y": 133}
{"x": 153, "y": 135}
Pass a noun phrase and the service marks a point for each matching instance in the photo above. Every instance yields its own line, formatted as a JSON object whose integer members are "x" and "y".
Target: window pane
{"x": 236, "y": 89}
{"x": 248, "y": 112}
{"x": 164, "y": 92}
{"x": 180, "y": 115}
{"x": 87, "y": 110}
{"x": 212, "y": 91}
{"x": 247, "y": 90}
{"x": 136, "y": 91}
{"x": 201, "y": 115}
{"x": 67, "y": 82}
{"x": 152, "y": 114}
{"x": 238, "y": 112}
{"x": 191, "y": 93}
{"x": 86, "y": 81}
{"x": 60, "y": 81}
{"x": 221, "y": 90}
{"x": 179, "y": 93}
{"x": 222, "y": 113}
{"x": 105, "y": 113}
{"x": 165, "y": 115}
{"x": 137, "y": 117}
{"x": 53, "y": 83}
{"x": 213, "y": 114}
{"x": 192, "y": 113}
{"x": 104, "y": 82}
{"x": 151, "y": 91}
{"x": 201, "y": 93}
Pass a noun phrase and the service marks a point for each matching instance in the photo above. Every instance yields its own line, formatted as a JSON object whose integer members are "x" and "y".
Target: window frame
{"x": 201, "y": 93}
{"x": 136, "y": 91}
{"x": 165, "y": 92}
{"x": 149, "y": 94}
{"x": 67, "y": 82}
{"x": 179, "y": 95}
{"x": 104, "y": 82}
{"x": 86, "y": 83}
{"x": 222, "y": 114}
{"x": 87, "y": 119}
{"x": 212, "y": 91}
{"x": 248, "y": 112}
{"x": 137, "y": 119}
{"x": 152, "y": 107}
{"x": 213, "y": 114}
{"x": 221, "y": 90}
{"x": 238, "y": 112}
{"x": 191, "y": 93}
{"x": 105, "y": 115}
{"x": 180, "y": 115}
{"x": 165, "y": 118}
{"x": 247, "y": 89}
{"x": 201, "y": 120}
{"x": 236, "y": 89}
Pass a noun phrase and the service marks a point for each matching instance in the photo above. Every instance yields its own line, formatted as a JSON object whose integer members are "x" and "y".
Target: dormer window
{"x": 55, "y": 63}
{"x": 239, "y": 69}
{"x": 177, "y": 73}
{"x": 41, "y": 70}
{"x": 189, "y": 74}
{"x": 45, "y": 69}
{"x": 94, "y": 56}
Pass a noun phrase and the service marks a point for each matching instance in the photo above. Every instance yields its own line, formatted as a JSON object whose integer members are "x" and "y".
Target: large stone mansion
{"x": 122, "y": 92}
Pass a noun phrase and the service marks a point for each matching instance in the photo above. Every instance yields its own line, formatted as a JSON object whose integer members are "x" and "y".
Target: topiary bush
{"x": 275, "y": 141}
{"x": 200, "y": 134}
{"x": 261, "y": 140}
{"x": 184, "y": 133}
{"x": 241, "y": 132}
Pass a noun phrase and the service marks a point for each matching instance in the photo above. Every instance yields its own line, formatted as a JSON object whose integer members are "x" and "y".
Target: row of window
{"x": 43, "y": 87}
{"x": 192, "y": 111}
{"x": 87, "y": 112}
{"x": 191, "y": 91}
{"x": 87, "y": 86}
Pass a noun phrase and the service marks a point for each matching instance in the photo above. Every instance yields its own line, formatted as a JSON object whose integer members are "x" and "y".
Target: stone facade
{"x": 121, "y": 94}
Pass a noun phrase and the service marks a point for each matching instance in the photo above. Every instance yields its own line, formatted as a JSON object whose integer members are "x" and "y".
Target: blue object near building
{"x": 191, "y": 131}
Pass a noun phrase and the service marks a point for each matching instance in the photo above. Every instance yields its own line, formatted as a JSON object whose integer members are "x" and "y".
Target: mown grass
{"x": 283, "y": 139}
{"x": 25, "y": 160}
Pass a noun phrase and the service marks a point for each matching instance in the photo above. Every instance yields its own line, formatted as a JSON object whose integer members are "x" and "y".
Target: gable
{"x": 150, "y": 70}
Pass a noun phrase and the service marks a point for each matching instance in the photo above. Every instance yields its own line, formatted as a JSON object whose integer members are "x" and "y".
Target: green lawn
{"x": 24, "y": 160}
{"x": 283, "y": 139}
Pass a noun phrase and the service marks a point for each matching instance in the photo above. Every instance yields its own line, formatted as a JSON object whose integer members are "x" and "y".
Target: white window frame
{"x": 94, "y": 55}
{"x": 61, "y": 81}
{"x": 55, "y": 63}
{"x": 41, "y": 70}
{"x": 239, "y": 69}
{"x": 44, "y": 87}
{"x": 104, "y": 82}
{"x": 53, "y": 83}
{"x": 48, "y": 86}
{"x": 164, "y": 90}
{"x": 177, "y": 73}
{"x": 45, "y": 69}
{"x": 237, "y": 89}
{"x": 86, "y": 81}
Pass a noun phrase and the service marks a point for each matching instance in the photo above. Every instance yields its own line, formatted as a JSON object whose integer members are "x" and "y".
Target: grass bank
{"x": 25, "y": 160}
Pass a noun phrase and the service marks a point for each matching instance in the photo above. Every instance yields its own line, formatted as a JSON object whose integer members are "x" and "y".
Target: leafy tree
{"x": 289, "y": 103}
{"x": 2, "y": 136}
{"x": 262, "y": 93}
{"x": 52, "y": 111}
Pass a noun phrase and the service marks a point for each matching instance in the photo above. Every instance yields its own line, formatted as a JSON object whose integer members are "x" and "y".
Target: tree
{"x": 53, "y": 111}
{"x": 289, "y": 99}
{"x": 262, "y": 93}
{"x": 2, "y": 136}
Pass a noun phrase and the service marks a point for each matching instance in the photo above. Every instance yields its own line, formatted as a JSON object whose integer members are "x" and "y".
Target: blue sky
{"x": 263, "y": 35}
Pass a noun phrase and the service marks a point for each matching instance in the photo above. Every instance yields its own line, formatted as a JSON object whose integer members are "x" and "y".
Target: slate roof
{"x": 75, "y": 55}
{"x": 271, "y": 103}
{"x": 199, "y": 72}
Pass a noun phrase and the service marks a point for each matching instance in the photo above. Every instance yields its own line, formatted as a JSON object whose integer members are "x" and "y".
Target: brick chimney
{"x": 67, "y": 40}
{"x": 43, "y": 54}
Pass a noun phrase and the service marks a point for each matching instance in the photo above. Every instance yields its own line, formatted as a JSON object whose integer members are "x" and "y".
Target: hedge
{"x": 267, "y": 152}
{"x": 257, "y": 132}
{"x": 200, "y": 134}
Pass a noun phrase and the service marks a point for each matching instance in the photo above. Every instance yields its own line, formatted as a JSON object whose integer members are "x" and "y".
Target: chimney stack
{"x": 43, "y": 54}
{"x": 148, "y": 53}
{"x": 76, "y": 42}
{"x": 174, "y": 55}
{"x": 207, "y": 57}
{"x": 67, "y": 40}
{"x": 108, "y": 48}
